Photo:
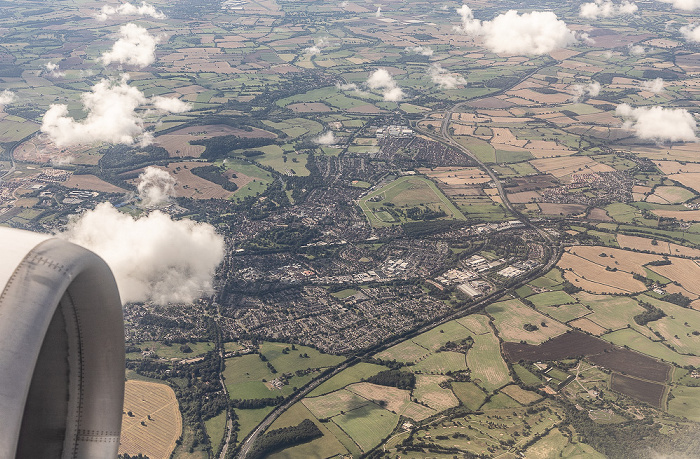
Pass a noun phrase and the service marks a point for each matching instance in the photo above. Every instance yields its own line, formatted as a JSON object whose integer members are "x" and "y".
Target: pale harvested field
{"x": 529, "y": 94}
{"x": 689, "y": 179}
{"x": 461, "y": 129}
{"x": 397, "y": 400}
{"x": 548, "y": 149}
{"x": 673, "y": 288}
{"x": 157, "y": 438}
{"x": 91, "y": 183}
{"x": 668, "y": 153}
{"x": 683, "y": 215}
{"x": 560, "y": 167}
{"x": 662, "y": 247}
{"x": 456, "y": 176}
{"x": 670, "y": 195}
{"x": 504, "y": 136}
{"x": 511, "y": 316}
{"x": 476, "y": 323}
{"x": 686, "y": 272}
{"x": 428, "y": 391}
{"x": 594, "y": 278}
{"x": 522, "y": 396}
{"x": 588, "y": 326}
{"x": 674, "y": 167}
{"x": 329, "y": 405}
{"x": 624, "y": 260}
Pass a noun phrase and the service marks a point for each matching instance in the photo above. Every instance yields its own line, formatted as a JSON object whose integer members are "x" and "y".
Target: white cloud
{"x": 53, "y": 70}
{"x": 422, "y": 50}
{"x": 135, "y": 47}
{"x": 655, "y": 86}
{"x": 636, "y": 50}
{"x": 7, "y": 97}
{"x": 691, "y": 33}
{"x": 592, "y": 89}
{"x": 346, "y": 86}
{"x": 112, "y": 117}
{"x": 171, "y": 104}
{"x": 378, "y": 13}
{"x": 606, "y": 9}
{"x": 156, "y": 186}
{"x": 343, "y": 4}
{"x": 687, "y": 5}
{"x": 127, "y": 9}
{"x": 512, "y": 33}
{"x": 444, "y": 79}
{"x": 382, "y": 79}
{"x": 659, "y": 123}
{"x": 327, "y": 138}
{"x": 153, "y": 258}
{"x": 316, "y": 49}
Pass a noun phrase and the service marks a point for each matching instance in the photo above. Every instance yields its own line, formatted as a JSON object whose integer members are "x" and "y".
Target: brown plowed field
{"x": 564, "y": 346}
{"x": 633, "y": 364}
{"x": 648, "y": 392}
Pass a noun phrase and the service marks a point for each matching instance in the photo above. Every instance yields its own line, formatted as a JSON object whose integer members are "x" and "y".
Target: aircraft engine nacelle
{"x": 61, "y": 350}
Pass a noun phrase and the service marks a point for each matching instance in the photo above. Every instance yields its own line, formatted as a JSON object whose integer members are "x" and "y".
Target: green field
{"x": 367, "y": 425}
{"x": 406, "y": 193}
{"x": 678, "y": 328}
{"x": 405, "y": 351}
{"x": 429, "y": 392}
{"x": 441, "y": 363}
{"x": 243, "y": 376}
{"x": 471, "y": 395}
{"x": 329, "y": 405}
{"x": 355, "y": 373}
{"x": 292, "y": 361}
{"x": 438, "y": 336}
{"x": 527, "y": 377}
{"x": 323, "y": 447}
{"x": 216, "y": 428}
{"x": 551, "y": 299}
{"x": 500, "y": 401}
{"x": 488, "y": 369}
{"x": 565, "y": 312}
{"x": 480, "y": 148}
{"x": 634, "y": 340}
{"x": 685, "y": 402}
{"x": 611, "y": 312}
{"x": 249, "y": 419}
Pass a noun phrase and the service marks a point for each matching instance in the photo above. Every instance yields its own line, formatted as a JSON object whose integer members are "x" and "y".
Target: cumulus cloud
{"x": 581, "y": 91}
{"x": 343, "y": 4}
{"x": 135, "y": 46}
{"x": 53, "y": 70}
{"x": 655, "y": 86}
{"x": 171, "y": 104}
{"x": 155, "y": 186}
{"x": 378, "y": 13}
{"x": 512, "y": 33}
{"x": 112, "y": 117}
{"x": 422, "y": 50}
{"x": 690, "y": 33}
{"x": 347, "y": 86}
{"x": 658, "y": 123}
{"x": 7, "y": 97}
{"x": 127, "y": 9}
{"x": 316, "y": 49}
{"x": 687, "y": 5}
{"x": 443, "y": 78}
{"x": 636, "y": 50}
{"x": 327, "y": 138}
{"x": 153, "y": 258}
{"x": 606, "y": 9}
{"x": 382, "y": 79}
